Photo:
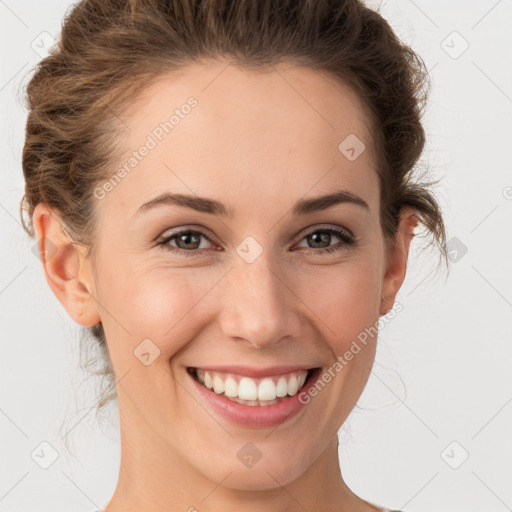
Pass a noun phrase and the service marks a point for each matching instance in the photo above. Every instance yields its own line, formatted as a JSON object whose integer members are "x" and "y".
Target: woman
{"x": 224, "y": 194}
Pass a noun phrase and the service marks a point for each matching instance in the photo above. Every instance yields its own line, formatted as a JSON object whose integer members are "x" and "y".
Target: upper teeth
{"x": 247, "y": 388}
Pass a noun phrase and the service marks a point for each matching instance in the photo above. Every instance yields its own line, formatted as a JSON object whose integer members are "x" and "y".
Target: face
{"x": 261, "y": 285}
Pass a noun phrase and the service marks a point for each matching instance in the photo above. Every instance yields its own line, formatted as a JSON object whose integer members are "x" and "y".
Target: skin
{"x": 258, "y": 142}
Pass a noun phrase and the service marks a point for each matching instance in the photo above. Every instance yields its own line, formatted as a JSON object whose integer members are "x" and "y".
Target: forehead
{"x": 248, "y": 129}
{"x": 283, "y": 97}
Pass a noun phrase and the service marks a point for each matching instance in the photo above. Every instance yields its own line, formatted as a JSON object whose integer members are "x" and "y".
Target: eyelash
{"x": 347, "y": 240}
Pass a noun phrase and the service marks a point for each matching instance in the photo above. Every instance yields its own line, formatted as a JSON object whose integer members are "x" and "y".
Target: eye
{"x": 187, "y": 242}
{"x": 322, "y": 237}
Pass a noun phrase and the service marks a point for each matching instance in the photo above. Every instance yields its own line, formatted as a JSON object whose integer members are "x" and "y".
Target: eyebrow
{"x": 211, "y": 206}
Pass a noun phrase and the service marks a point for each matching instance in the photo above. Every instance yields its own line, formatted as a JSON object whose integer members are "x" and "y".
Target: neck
{"x": 154, "y": 478}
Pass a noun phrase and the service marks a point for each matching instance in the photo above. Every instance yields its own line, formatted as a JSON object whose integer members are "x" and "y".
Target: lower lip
{"x": 255, "y": 416}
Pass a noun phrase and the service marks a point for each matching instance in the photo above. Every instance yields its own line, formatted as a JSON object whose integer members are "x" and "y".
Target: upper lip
{"x": 256, "y": 372}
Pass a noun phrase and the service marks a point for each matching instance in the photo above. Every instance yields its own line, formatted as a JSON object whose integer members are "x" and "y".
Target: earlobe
{"x": 397, "y": 260}
{"x": 62, "y": 262}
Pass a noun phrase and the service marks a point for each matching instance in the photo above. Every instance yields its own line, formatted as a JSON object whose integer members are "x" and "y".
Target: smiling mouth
{"x": 253, "y": 391}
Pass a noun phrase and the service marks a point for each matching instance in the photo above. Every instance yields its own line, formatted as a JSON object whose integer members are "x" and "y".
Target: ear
{"x": 397, "y": 259}
{"x": 64, "y": 265}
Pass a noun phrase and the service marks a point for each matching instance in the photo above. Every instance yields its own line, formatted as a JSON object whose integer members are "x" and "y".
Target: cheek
{"x": 163, "y": 306}
{"x": 345, "y": 300}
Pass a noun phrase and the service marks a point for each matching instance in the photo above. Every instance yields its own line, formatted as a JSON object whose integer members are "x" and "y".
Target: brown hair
{"x": 109, "y": 50}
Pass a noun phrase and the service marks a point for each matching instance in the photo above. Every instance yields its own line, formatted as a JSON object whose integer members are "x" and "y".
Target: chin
{"x": 278, "y": 470}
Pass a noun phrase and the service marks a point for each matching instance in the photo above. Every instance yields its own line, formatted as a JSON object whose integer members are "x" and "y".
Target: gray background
{"x": 441, "y": 387}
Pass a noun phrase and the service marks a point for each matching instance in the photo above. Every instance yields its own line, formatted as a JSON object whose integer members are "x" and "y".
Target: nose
{"x": 257, "y": 303}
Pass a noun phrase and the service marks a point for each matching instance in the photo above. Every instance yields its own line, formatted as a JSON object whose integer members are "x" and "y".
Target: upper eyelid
{"x": 201, "y": 231}
{"x": 320, "y": 227}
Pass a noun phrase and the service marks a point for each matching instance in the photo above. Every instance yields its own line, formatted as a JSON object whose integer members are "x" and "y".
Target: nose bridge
{"x": 256, "y": 303}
